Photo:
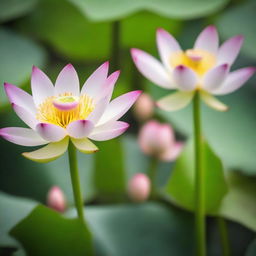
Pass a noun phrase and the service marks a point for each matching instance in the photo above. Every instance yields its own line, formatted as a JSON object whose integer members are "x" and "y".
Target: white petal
{"x": 151, "y": 68}
{"x": 213, "y": 102}
{"x": 22, "y": 136}
{"x": 229, "y": 50}
{"x": 41, "y": 86}
{"x": 48, "y": 153}
{"x": 175, "y": 101}
{"x": 184, "y": 78}
{"x": 84, "y": 145}
{"x": 214, "y": 77}
{"x": 119, "y": 106}
{"x": 235, "y": 80}
{"x": 51, "y": 132}
{"x": 93, "y": 85}
{"x": 98, "y": 111}
{"x": 26, "y": 116}
{"x": 166, "y": 44}
{"x": 80, "y": 128}
{"x": 67, "y": 81}
{"x": 208, "y": 40}
{"x": 108, "y": 131}
{"x": 20, "y": 97}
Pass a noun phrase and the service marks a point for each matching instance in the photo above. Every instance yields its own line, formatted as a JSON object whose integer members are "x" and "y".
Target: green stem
{"x": 152, "y": 174}
{"x": 115, "y": 47}
{"x": 199, "y": 180}
{"x": 224, "y": 236}
{"x": 74, "y": 173}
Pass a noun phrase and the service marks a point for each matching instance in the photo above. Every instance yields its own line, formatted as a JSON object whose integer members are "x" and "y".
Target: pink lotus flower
{"x": 58, "y": 113}
{"x": 206, "y": 68}
{"x": 157, "y": 140}
{"x": 139, "y": 187}
{"x": 56, "y": 199}
{"x": 144, "y": 107}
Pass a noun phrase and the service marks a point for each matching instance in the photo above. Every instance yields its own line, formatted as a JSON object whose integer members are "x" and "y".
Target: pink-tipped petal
{"x": 67, "y": 81}
{"x": 151, "y": 68}
{"x": 51, "y": 132}
{"x": 118, "y": 107}
{"x": 235, "y": 80}
{"x": 175, "y": 101}
{"x": 80, "y": 128}
{"x": 184, "y": 78}
{"x": 230, "y": 49}
{"x": 22, "y": 136}
{"x": 109, "y": 85}
{"x": 48, "y": 153}
{"x": 98, "y": 111}
{"x": 84, "y": 145}
{"x": 20, "y": 97}
{"x": 214, "y": 78}
{"x": 26, "y": 116}
{"x": 172, "y": 152}
{"x": 41, "y": 86}
{"x": 208, "y": 40}
{"x": 93, "y": 85}
{"x": 213, "y": 102}
{"x": 166, "y": 45}
{"x": 108, "y": 131}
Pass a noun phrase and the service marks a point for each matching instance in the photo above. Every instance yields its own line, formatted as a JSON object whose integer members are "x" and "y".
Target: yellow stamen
{"x": 48, "y": 113}
{"x": 198, "y": 60}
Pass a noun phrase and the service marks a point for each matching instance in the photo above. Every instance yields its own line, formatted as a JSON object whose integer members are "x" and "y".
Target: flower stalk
{"x": 224, "y": 236}
{"x": 74, "y": 173}
{"x": 199, "y": 180}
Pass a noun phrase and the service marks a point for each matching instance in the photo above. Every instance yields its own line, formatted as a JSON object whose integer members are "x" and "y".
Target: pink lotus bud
{"x": 56, "y": 199}
{"x": 158, "y": 140}
{"x": 139, "y": 187}
{"x": 144, "y": 107}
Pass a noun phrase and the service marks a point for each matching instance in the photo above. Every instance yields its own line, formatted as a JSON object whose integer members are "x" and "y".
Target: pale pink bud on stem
{"x": 56, "y": 199}
{"x": 139, "y": 187}
{"x": 144, "y": 107}
{"x": 158, "y": 140}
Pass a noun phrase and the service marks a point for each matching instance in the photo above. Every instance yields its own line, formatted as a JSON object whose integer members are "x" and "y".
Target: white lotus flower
{"x": 58, "y": 113}
{"x": 205, "y": 68}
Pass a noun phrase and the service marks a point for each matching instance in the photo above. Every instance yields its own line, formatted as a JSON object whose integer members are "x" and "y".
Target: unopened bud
{"x": 56, "y": 199}
{"x": 144, "y": 107}
{"x": 139, "y": 187}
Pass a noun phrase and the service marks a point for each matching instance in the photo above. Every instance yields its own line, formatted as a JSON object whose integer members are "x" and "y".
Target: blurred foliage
{"x": 181, "y": 186}
{"x": 50, "y": 34}
{"x": 98, "y": 10}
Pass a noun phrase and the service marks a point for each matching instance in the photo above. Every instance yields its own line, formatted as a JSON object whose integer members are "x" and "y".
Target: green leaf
{"x": 140, "y": 229}
{"x": 13, "y": 209}
{"x": 109, "y": 173}
{"x": 239, "y": 204}
{"x": 46, "y": 232}
{"x": 12, "y": 9}
{"x": 252, "y": 249}
{"x": 240, "y": 19}
{"x": 181, "y": 188}
{"x": 18, "y": 55}
{"x": 98, "y": 10}
{"x": 74, "y": 37}
{"x": 230, "y": 134}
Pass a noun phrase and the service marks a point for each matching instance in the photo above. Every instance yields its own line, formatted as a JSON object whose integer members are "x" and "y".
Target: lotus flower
{"x": 144, "y": 107}
{"x": 205, "y": 68}
{"x": 58, "y": 113}
{"x": 157, "y": 140}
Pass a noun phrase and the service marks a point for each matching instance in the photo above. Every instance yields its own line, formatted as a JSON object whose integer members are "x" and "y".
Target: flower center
{"x": 198, "y": 60}
{"x": 64, "y": 109}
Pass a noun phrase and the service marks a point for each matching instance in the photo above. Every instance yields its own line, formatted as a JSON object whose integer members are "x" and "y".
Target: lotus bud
{"x": 56, "y": 199}
{"x": 139, "y": 187}
{"x": 144, "y": 107}
{"x": 158, "y": 140}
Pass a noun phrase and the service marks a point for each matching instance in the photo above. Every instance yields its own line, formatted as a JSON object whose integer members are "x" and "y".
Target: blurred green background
{"x": 50, "y": 34}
